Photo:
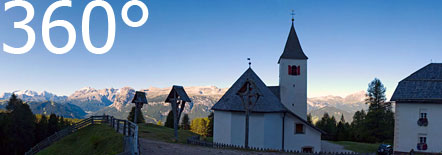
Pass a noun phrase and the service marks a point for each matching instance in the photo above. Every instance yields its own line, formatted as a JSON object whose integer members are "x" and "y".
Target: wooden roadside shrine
{"x": 249, "y": 95}
{"x": 139, "y": 100}
{"x": 177, "y": 99}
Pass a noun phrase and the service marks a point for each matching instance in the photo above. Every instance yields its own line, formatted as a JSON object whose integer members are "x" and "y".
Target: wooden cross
{"x": 293, "y": 15}
{"x": 247, "y": 93}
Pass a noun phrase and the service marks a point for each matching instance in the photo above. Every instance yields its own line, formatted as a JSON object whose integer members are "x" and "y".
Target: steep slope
{"x": 90, "y": 99}
{"x": 66, "y": 110}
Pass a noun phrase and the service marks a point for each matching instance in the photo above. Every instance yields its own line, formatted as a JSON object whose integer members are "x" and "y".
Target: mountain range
{"x": 89, "y": 101}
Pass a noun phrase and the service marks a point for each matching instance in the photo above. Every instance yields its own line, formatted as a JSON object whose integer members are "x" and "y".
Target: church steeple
{"x": 292, "y": 48}
{"x": 293, "y": 75}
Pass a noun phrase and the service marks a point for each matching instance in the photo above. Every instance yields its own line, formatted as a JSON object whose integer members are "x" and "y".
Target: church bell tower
{"x": 293, "y": 75}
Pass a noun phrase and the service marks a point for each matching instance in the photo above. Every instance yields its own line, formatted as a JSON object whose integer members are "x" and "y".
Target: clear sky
{"x": 201, "y": 42}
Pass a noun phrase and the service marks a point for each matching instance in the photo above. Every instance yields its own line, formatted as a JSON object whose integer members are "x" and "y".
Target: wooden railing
{"x": 130, "y": 132}
{"x": 125, "y": 127}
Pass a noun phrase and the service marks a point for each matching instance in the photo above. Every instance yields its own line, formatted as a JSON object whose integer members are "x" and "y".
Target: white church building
{"x": 278, "y": 119}
{"x": 418, "y": 113}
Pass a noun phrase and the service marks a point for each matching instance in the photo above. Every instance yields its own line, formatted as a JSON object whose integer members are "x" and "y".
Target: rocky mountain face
{"x": 336, "y": 106}
{"x": 66, "y": 110}
{"x": 29, "y": 95}
{"x": 116, "y": 102}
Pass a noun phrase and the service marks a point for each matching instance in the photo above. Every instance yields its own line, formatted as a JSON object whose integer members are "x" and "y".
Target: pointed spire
{"x": 293, "y": 48}
{"x": 293, "y": 16}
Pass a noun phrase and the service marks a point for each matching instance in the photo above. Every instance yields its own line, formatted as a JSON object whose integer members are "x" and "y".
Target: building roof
{"x": 423, "y": 86}
{"x": 292, "y": 48}
{"x": 268, "y": 102}
{"x": 276, "y": 91}
{"x": 139, "y": 97}
{"x": 180, "y": 92}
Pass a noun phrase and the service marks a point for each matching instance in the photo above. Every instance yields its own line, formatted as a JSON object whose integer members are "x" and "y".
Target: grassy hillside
{"x": 161, "y": 133}
{"x": 95, "y": 139}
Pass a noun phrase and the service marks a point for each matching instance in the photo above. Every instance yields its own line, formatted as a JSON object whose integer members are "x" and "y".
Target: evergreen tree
{"x": 358, "y": 130}
{"x": 61, "y": 124}
{"x": 342, "y": 130}
{"x": 185, "y": 124}
{"x": 342, "y": 118}
{"x": 379, "y": 120}
{"x": 41, "y": 129}
{"x": 328, "y": 124}
{"x": 52, "y": 124}
{"x": 5, "y": 125}
{"x": 169, "y": 120}
{"x": 309, "y": 118}
{"x": 22, "y": 126}
{"x": 210, "y": 124}
{"x": 140, "y": 118}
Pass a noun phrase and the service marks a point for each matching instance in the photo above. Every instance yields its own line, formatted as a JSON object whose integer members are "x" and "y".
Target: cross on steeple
{"x": 293, "y": 15}
{"x": 250, "y": 63}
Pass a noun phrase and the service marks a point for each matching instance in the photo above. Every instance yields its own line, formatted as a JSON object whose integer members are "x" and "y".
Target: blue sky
{"x": 200, "y": 42}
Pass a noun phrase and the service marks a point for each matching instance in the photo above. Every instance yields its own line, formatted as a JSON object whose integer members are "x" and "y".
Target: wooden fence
{"x": 125, "y": 127}
{"x": 195, "y": 140}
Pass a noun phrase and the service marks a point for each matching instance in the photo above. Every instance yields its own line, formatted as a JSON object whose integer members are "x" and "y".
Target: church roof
{"x": 267, "y": 102}
{"x": 423, "y": 86}
{"x": 276, "y": 91}
{"x": 293, "y": 48}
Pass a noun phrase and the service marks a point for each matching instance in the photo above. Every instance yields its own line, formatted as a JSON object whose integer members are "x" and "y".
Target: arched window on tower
{"x": 294, "y": 70}
{"x": 298, "y": 70}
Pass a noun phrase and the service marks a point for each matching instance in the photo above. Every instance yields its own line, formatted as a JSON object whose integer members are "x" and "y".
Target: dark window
{"x": 307, "y": 149}
{"x": 423, "y": 115}
{"x": 299, "y": 128}
{"x": 423, "y": 140}
{"x": 298, "y": 70}
{"x": 290, "y": 70}
{"x": 294, "y": 70}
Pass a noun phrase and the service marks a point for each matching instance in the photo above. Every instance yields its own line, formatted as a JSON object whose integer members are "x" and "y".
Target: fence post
{"x": 92, "y": 119}
{"x": 118, "y": 125}
{"x": 124, "y": 127}
{"x": 113, "y": 122}
{"x": 128, "y": 130}
{"x": 136, "y": 140}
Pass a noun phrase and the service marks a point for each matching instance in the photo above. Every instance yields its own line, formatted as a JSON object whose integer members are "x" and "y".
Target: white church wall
{"x": 273, "y": 130}
{"x": 256, "y": 130}
{"x": 237, "y": 128}
{"x": 292, "y": 141}
{"x": 264, "y": 129}
{"x": 221, "y": 127}
{"x": 293, "y": 89}
{"x": 407, "y": 131}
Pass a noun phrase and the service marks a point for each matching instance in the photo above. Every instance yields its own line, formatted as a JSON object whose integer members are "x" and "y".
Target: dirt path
{"x": 151, "y": 147}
